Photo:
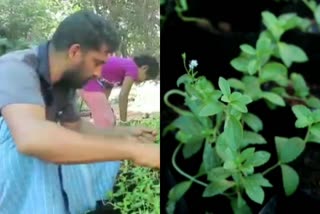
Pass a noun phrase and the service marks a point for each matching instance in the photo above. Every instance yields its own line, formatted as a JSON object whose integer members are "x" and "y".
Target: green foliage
{"x": 216, "y": 116}
{"x": 137, "y": 189}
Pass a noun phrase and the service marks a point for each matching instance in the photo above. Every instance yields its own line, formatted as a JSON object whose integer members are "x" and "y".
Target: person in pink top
{"x": 117, "y": 71}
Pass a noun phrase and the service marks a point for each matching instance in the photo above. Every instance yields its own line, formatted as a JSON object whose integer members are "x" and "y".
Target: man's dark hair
{"x": 88, "y": 29}
{"x": 150, "y": 61}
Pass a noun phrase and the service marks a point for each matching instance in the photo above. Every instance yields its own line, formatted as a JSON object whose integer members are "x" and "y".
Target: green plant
{"x": 217, "y": 116}
{"x": 7, "y": 45}
{"x": 315, "y": 8}
{"x": 137, "y": 189}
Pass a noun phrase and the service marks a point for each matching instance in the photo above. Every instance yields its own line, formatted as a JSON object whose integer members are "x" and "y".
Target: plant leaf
{"x": 253, "y": 121}
{"x": 252, "y": 66}
{"x": 303, "y": 115}
{"x": 273, "y": 98}
{"x": 252, "y": 138}
{"x": 290, "y": 179}
{"x": 291, "y": 53}
{"x": 315, "y": 130}
{"x": 276, "y": 72}
{"x": 271, "y": 22}
{"x": 224, "y": 86}
{"x": 300, "y": 86}
{"x": 218, "y": 173}
{"x": 190, "y": 149}
{"x": 254, "y": 192}
{"x": 289, "y": 149}
{"x": 211, "y": 108}
{"x": 217, "y": 187}
{"x": 184, "y": 79}
{"x": 209, "y": 157}
{"x": 258, "y": 159}
{"x": 235, "y": 83}
{"x": 248, "y": 49}
{"x": 234, "y": 133}
{"x": 179, "y": 190}
{"x": 240, "y": 63}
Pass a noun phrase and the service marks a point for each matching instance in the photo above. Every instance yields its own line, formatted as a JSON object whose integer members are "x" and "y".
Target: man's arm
{"x": 46, "y": 140}
{"x": 123, "y": 97}
{"x": 85, "y": 127}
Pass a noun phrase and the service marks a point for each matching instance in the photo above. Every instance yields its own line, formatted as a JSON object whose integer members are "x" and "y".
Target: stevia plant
{"x": 217, "y": 116}
{"x": 215, "y": 120}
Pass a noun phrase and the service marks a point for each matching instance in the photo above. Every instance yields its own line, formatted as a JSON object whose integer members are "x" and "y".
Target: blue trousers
{"x": 30, "y": 185}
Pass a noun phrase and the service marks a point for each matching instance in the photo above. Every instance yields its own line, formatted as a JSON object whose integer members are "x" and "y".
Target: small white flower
{"x": 193, "y": 64}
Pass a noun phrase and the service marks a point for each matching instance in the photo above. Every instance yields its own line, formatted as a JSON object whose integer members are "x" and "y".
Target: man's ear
{"x": 74, "y": 52}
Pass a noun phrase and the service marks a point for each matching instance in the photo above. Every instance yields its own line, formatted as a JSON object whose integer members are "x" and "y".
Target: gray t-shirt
{"x": 20, "y": 84}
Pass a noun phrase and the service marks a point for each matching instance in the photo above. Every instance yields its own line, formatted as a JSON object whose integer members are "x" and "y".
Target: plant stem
{"x": 307, "y": 135}
{"x": 173, "y": 107}
{"x": 193, "y": 179}
{"x": 271, "y": 168}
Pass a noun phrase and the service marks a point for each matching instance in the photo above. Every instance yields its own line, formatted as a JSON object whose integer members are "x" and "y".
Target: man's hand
{"x": 147, "y": 155}
{"x": 143, "y": 134}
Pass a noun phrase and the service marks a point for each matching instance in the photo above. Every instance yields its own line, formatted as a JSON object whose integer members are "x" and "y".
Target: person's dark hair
{"x": 150, "y": 61}
{"x": 88, "y": 29}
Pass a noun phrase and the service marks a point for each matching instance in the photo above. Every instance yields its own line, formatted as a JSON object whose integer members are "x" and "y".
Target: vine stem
{"x": 307, "y": 135}
{"x": 271, "y": 168}
{"x": 173, "y": 107}
{"x": 193, "y": 179}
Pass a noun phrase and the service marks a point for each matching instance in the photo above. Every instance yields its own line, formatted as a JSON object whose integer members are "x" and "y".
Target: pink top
{"x": 113, "y": 73}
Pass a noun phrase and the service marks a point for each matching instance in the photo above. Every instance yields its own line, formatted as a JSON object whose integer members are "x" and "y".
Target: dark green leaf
{"x": 253, "y": 122}
{"x": 190, "y": 128}
{"x": 276, "y": 72}
{"x": 289, "y": 149}
{"x": 291, "y": 53}
{"x": 217, "y": 187}
{"x": 252, "y": 87}
{"x": 246, "y": 154}
{"x": 258, "y": 180}
{"x": 303, "y": 115}
{"x": 313, "y": 138}
{"x": 271, "y": 22}
{"x": 234, "y": 133}
{"x": 252, "y": 138}
{"x": 254, "y": 192}
{"x": 258, "y": 159}
{"x": 223, "y": 149}
{"x": 248, "y": 49}
{"x": 239, "y": 206}
{"x": 237, "y": 84}
{"x": 190, "y": 149}
{"x": 263, "y": 44}
{"x": 313, "y": 102}
{"x": 300, "y": 87}
{"x": 179, "y": 190}
{"x": 239, "y": 106}
{"x": 209, "y": 157}
{"x": 290, "y": 179}
{"x": 316, "y": 116}
{"x": 211, "y": 108}
{"x": 224, "y": 86}
{"x": 315, "y": 130}
{"x": 218, "y": 173}
{"x": 184, "y": 79}
{"x": 253, "y": 66}
{"x": 240, "y": 63}
{"x": 273, "y": 98}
